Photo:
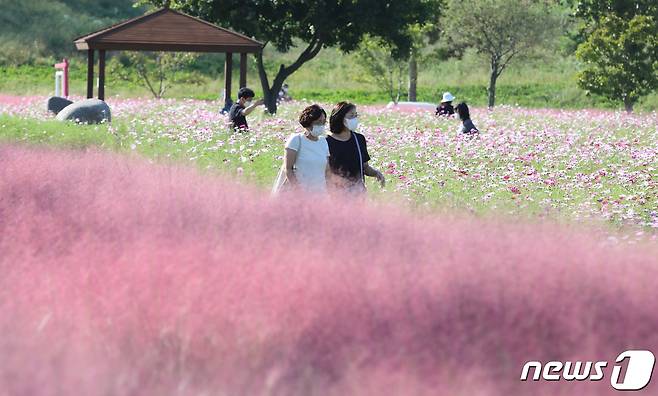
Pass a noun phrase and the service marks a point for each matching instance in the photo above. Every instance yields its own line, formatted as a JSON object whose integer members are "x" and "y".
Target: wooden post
{"x": 243, "y": 70}
{"x": 90, "y": 73}
{"x": 228, "y": 76}
{"x": 101, "y": 74}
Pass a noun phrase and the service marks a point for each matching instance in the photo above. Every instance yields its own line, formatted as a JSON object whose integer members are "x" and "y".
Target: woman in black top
{"x": 348, "y": 152}
{"x": 465, "y": 116}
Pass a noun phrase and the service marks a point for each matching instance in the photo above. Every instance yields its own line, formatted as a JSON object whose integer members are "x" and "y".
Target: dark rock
{"x": 88, "y": 111}
{"x": 55, "y": 104}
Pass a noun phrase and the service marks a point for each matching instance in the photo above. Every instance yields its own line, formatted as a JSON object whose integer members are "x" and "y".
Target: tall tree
{"x": 620, "y": 51}
{"x": 594, "y": 10}
{"x": 388, "y": 72}
{"x": 153, "y": 69}
{"x": 318, "y": 24}
{"x": 376, "y": 58}
{"x": 621, "y": 59}
{"x": 501, "y": 30}
{"x": 422, "y": 37}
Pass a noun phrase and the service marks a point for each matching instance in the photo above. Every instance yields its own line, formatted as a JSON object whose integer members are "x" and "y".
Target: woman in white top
{"x": 306, "y": 158}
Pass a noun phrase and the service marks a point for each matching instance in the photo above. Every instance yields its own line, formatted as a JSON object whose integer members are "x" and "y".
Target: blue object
{"x": 227, "y": 106}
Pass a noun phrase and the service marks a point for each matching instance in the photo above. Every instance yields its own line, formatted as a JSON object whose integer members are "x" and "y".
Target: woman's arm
{"x": 289, "y": 159}
{"x": 372, "y": 172}
{"x": 329, "y": 175}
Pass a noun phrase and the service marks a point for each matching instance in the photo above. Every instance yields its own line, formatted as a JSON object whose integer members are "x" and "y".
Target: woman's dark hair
{"x": 310, "y": 115}
{"x": 462, "y": 110}
{"x": 245, "y": 92}
{"x": 338, "y": 115}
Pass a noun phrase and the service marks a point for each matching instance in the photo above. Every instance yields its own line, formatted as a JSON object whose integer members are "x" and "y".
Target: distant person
{"x": 242, "y": 108}
{"x": 445, "y": 107}
{"x": 467, "y": 125}
{"x": 228, "y": 102}
{"x": 348, "y": 151}
{"x": 305, "y": 162}
{"x": 284, "y": 95}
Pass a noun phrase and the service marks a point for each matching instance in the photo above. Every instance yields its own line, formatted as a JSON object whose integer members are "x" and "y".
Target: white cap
{"x": 447, "y": 97}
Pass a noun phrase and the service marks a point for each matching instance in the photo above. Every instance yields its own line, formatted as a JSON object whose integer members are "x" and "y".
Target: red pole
{"x": 64, "y": 65}
{"x": 66, "y": 78}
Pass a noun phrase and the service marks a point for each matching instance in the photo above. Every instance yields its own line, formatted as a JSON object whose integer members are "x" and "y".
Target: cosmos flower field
{"x": 589, "y": 166}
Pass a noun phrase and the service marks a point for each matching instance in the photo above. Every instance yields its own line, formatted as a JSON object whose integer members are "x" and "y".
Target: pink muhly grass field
{"x": 118, "y": 277}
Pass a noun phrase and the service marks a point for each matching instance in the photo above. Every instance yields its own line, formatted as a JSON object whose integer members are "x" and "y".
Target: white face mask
{"x": 351, "y": 123}
{"x": 317, "y": 130}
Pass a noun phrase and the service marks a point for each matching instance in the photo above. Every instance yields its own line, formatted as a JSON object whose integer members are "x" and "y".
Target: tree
{"x": 501, "y": 30}
{"x": 586, "y": 14}
{"x": 621, "y": 59}
{"x": 317, "y": 24}
{"x": 619, "y": 48}
{"x": 595, "y": 10}
{"x": 376, "y": 59}
{"x": 388, "y": 71}
{"x": 422, "y": 36}
{"x": 154, "y": 69}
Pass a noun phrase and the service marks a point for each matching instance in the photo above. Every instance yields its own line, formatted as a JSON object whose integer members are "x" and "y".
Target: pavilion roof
{"x": 168, "y": 30}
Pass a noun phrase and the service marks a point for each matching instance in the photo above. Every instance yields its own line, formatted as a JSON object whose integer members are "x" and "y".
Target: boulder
{"x": 55, "y": 104}
{"x": 88, "y": 111}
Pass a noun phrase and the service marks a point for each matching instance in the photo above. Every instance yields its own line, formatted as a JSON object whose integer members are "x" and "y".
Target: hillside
{"x": 31, "y": 30}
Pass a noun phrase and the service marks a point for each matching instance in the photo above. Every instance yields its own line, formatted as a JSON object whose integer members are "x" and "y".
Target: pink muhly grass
{"x": 120, "y": 277}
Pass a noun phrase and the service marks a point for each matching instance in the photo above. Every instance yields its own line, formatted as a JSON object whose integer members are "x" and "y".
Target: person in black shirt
{"x": 241, "y": 109}
{"x": 465, "y": 116}
{"x": 348, "y": 151}
{"x": 445, "y": 108}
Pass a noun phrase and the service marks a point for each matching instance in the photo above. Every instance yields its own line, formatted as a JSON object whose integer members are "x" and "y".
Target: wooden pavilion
{"x": 166, "y": 30}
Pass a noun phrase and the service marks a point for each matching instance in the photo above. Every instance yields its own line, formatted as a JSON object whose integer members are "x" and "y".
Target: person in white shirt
{"x": 306, "y": 157}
